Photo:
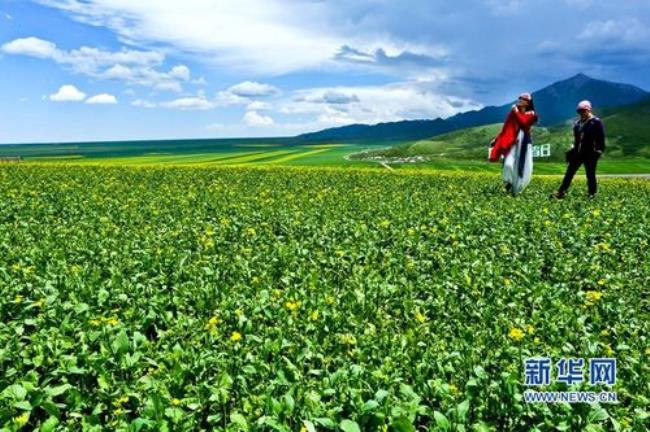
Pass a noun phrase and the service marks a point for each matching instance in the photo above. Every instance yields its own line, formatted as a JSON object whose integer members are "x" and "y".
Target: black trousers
{"x": 590, "y": 162}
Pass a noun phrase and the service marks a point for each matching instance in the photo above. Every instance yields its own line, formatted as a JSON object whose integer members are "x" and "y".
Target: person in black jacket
{"x": 588, "y": 147}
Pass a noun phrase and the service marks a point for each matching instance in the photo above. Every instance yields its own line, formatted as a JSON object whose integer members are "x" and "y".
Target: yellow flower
{"x": 95, "y": 322}
{"x": 602, "y": 282}
{"x": 603, "y": 247}
{"x": 384, "y": 224}
{"x": 39, "y": 303}
{"x": 647, "y": 351}
{"x": 212, "y": 322}
{"x": 330, "y": 300}
{"x": 596, "y": 213}
{"x": 18, "y": 299}
{"x": 120, "y": 401}
{"x": 292, "y": 305}
{"x": 112, "y": 321}
{"x": 536, "y": 341}
{"x": 235, "y": 336}
{"x": 339, "y": 253}
{"x": 314, "y": 316}
{"x": 515, "y": 334}
{"x": 453, "y": 389}
{"x": 604, "y": 333}
{"x": 118, "y": 412}
{"x": 609, "y": 351}
{"x": 176, "y": 402}
{"x": 593, "y": 297}
{"x": 410, "y": 231}
{"x": 419, "y": 317}
{"x": 21, "y": 420}
{"x": 303, "y": 429}
{"x": 348, "y": 339}
{"x": 255, "y": 280}
{"x": 507, "y": 282}
{"x": 251, "y": 232}
{"x": 531, "y": 329}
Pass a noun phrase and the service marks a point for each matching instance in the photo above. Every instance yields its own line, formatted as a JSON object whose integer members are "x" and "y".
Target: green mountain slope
{"x": 627, "y": 128}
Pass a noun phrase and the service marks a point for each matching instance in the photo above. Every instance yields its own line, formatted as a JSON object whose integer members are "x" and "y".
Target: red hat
{"x": 584, "y": 105}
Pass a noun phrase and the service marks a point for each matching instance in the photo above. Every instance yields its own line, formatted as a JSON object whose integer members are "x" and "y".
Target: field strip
{"x": 385, "y": 165}
{"x": 298, "y": 155}
{"x": 214, "y": 157}
{"x": 252, "y": 158}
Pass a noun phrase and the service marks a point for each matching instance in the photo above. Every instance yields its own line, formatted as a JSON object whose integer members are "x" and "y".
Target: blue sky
{"x": 74, "y": 70}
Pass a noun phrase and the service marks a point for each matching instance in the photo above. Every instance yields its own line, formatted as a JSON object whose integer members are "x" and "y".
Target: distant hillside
{"x": 555, "y": 104}
{"x": 627, "y": 128}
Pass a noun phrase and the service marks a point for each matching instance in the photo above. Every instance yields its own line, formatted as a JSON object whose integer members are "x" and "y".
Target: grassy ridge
{"x": 627, "y": 128}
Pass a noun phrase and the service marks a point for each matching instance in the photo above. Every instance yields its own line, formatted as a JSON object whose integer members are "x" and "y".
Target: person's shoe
{"x": 591, "y": 196}
{"x": 508, "y": 187}
{"x": 558, "y": 195}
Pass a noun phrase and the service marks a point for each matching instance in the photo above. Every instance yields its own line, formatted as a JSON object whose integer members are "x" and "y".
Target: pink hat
{"x": 526, "y": 96}
{"x": 584, "y": 105}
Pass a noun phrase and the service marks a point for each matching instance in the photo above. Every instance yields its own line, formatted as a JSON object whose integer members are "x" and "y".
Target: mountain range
{"x": 555, "y": 104}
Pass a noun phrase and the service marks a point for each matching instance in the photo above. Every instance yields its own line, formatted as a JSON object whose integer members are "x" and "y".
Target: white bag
{"x": 511, "y": 165}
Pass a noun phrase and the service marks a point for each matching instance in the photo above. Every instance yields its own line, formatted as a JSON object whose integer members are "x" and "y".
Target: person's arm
{"x": 599, "y": 137}
{"x": 525, "y": 120}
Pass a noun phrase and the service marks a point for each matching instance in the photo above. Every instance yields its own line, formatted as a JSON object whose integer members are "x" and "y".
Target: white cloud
{"x": 7, "y": 16}
{"x": 254, "y": 36}
{"x": 254, "y": 119}
{"x": 102, "y": 99}
{"x": 181, "y": 72}
{"x": 189, "y": 103}
{"x": 68, "y": 93}
{"x": 31, "y": 46}
{"x": 140, "y": 103}
{"x": 613, "y": 30}
{"x": 258, "y": 106}
{"x": 252, "y": 89}
{"x": 375, "y": 104}
{"x": 131, "y": 66}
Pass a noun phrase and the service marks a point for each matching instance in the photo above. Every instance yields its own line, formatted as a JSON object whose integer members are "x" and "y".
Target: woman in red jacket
{"x": 515, "y": 144}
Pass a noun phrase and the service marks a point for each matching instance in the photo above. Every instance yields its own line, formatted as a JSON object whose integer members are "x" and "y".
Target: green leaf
{"x": 325, "y": 422}
{"x": 121, "y": 343}
{"x": 369, "y": 406}
{"x": 349, "y": 426}
{"x": 597, "y": 414}
{"x": 49, "y": 425}
{"x": 58, "y": 390}
{"x": 15, "y": 392}
{"x": 402, "y": 424}
{"x": 239, "y": 421}
{"x": 441, "y": 420}
{"x": 23, "y": 405}
{"x": 462, "y": 410}
{"x": 380, "y": 395}
{"x": 309, "y": 426}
